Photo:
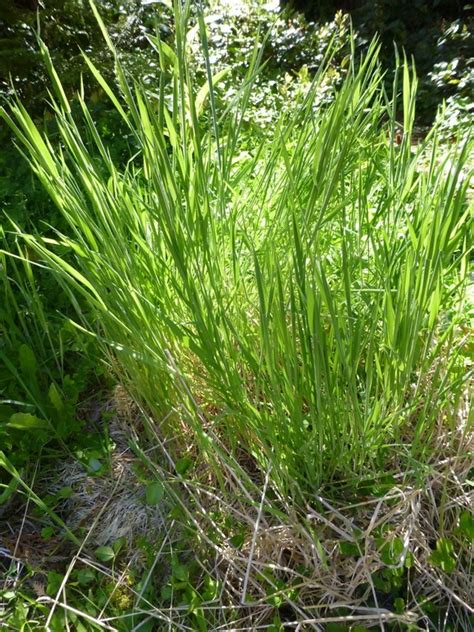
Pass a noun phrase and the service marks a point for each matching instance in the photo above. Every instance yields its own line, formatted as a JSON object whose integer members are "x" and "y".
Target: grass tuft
{"x": 298, "y": 301}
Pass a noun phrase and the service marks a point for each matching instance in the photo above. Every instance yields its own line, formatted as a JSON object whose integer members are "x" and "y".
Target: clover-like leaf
{"x": 105, "y": 553}
{"x": 443, "y": 556}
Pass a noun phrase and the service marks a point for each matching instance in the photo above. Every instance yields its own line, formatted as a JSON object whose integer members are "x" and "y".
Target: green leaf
{"x": 105, "y": 553}
{"x": 443, "y": 556}
{"x": 65, "y": 492}
{"x": 391, "y": 551}
{"x": 103, "y": 28}
{"x": 154, "y": 493}
{"x": 55, "y": 397}
{"x": 466, "y": 524}
{"x": 28, "y": 363}
{"x": 167, "y": 592}
{"x": 237, "y": 540}
{"x": 204, "y": 91}
{"x": 183, "y": 465}
{"x": 9, "y": 490}
{"x": 349, "y": 549}
{"x": 399, "y": 605}
{"x": 47, "y": 532}
{"x": 409, "y": 560}
{"x": 181, "y": 572}
{"x": 119, "y": 544}
{"x": 27, "y": 421}
{"x": 212, "y": 589}
{"x": 54, "y": 583}
{"x": 85, "y": 576}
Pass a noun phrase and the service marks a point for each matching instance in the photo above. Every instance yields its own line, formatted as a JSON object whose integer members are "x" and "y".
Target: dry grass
{"x": 312, "y": 564}
{"x": 294, "y": 560}
{"x": 113, "y": 503}
{"x": 304, "y": 552}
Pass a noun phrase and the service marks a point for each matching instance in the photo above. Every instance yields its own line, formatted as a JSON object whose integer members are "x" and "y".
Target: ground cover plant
{"x": 289, "y": 316}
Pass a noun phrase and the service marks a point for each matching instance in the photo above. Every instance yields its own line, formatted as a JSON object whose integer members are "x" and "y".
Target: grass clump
{"x": 298, "y": 302}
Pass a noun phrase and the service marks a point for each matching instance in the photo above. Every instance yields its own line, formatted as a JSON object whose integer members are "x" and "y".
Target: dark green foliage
{"x": 20, "y": 196}
{"x": 68, "y": 27}
{"x": 438, "y": 34}
{"x": 439, "y": 37}
{"x": 43, "y": 364}
{"x": 65, "y": 25}
{"x": 317, "y": 8}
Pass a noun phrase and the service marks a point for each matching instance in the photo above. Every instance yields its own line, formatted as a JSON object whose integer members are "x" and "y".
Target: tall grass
{"x": 297, "y": 298}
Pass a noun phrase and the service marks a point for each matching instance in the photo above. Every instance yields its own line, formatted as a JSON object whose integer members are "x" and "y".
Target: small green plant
{"x": 44, "y": 367}
{"x": 443, "y": 556}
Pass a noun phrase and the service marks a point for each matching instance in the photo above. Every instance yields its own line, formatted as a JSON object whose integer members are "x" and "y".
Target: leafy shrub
{"x": 68, "y": 27}
{"x": 437, "y": 34}
{"x": 292, "y": 52}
